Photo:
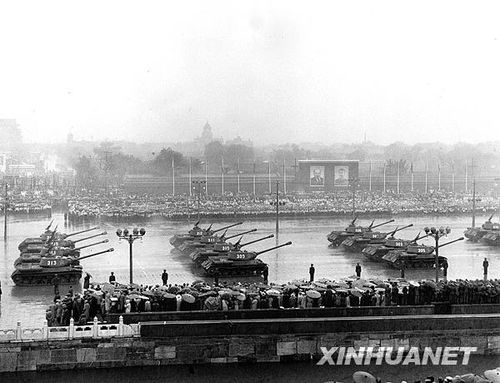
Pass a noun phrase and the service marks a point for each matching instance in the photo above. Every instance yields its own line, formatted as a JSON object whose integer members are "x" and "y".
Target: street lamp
{"x": 437, "y": 234}
{"x": 130, "y": 237}
{"x": 198, "y": 186}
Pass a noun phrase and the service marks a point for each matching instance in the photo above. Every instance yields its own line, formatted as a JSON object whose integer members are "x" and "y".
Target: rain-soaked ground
{"x": 153, "y": 254}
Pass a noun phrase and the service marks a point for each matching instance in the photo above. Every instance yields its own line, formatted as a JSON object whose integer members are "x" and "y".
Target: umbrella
{"x": 188, "y": 298}
{"x": 363, "y": 377}
{"x": 137, "y": 296}
{"x": 241, "y": 297}
{"x": 97, "y": 293}
{"x": 168, "y": 296}
{"x": 273, "y": 292}
{"x": 212, "y": 303}
{"x": 356, "y": 293}
{"x": 108, "y": 287}
{"x": 313, "y": 294}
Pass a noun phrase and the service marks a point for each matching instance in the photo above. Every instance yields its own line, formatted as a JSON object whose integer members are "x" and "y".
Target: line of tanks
{"x": 488, "y": 233}
{"x": 385, "y": 247}
{"x": 217, "y": 257}
{"x": 52, "y": 253}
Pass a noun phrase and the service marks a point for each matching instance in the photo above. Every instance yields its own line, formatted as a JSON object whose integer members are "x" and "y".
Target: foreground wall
{"x": 253, "y": 341}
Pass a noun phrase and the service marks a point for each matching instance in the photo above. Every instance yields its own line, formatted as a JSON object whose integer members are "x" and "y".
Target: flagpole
{"x": 284, "y": 176}
{"x": 254, "y": 178}
{"x": 453, "y": 178}
{"x": 222, "y": 175}
{"x": 466, "y": 181}
{"x": 398, "y": 178}
{"x": 238, "y": 175}
{"x": 173, "y": 176}
{"x": 426, "y": 177}
{"x": 412, "y": 177}
{"x": 206, "y": 177}
{"x": 384, "y": 179}
{"x": 439, "y": 177}
{"x": 190, "y": 177}
{"x": 370, "y": 178}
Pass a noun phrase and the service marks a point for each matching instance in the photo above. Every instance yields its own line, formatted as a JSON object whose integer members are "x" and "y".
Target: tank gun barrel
{"x": 274, "y": 248}
{"x": 381, "y": 224}
{"x": 98, "y": 253}
{"x": 50, "y": 224}
{"x": 257, "y": 240}
{"x": 209, "y": 228}
{"x": 227, "y": 227}
{"x": 80, "y": 232}
{"x": 399, "y": 229}
{"x": 91, "y": 244}
{"x": 245, "y": 232}
{"x": 354, "y": 221}
{"x": 449, "y": 243}
{"x": 418, "y": 237}
{"x": 92, "y": 236}
{"x": 491, "y": 216}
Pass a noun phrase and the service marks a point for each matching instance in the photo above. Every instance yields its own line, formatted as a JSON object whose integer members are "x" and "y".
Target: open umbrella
{"x": 241, "y": 297}
{"x": 313, "y": 294}
{"x": 273, "y": 292}
{"x": 363, "y": 377}
{"x": 188, "y": 298}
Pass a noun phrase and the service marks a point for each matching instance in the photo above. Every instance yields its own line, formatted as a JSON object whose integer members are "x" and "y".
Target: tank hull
{"x": 234, "y": 269}
{"x": 39, "y": 276}
{"x": 404, "y": 260}
{"x": 491, "y": 239}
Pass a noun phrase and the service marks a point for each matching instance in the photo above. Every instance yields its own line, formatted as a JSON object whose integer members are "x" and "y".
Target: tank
{"x": 207, "y": 238}
{"x": 209, "y": 242}
{"x": 391, "y": 243}
{"x": 475, "y": 234}
{"x": 237, "y": 263}
{"x": 492, "y": 237}
{"x": 336, "y": 237}
{"x": 195, "y": 234}
{"x": 65, "y": 243}
{"x": 415, "y": 257}
{"x": 54, "y": 252}
{"x": 223, "y": 248}
{"x": 67, "y": 268}
{"x": 358, "y": 243}
{"x": 50, "y": 235}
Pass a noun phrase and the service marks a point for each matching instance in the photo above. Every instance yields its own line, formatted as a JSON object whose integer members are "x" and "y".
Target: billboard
{"x": 341, "y": 176}
{"x": 317, "y": 176}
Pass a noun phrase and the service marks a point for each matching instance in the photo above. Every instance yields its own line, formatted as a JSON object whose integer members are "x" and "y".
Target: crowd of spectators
{"x": 119, "y": 205}
{"x": 101, "y": 299}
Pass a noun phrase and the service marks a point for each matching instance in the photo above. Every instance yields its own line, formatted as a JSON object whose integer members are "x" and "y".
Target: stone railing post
{"x": 19, "y": 331}
{"x": 120, "y": 326}
{"x": 45, "y": 330}
{"x": 71, "y": 330}
{"x": 95, "y": 328}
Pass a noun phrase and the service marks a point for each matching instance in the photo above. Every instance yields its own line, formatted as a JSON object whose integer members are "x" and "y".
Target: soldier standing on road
{"x": 485, "y": 268}
{"x": 311, "y": 273}
{"x": 265, "y": 274}
{"x": 0, "y": 290}
{"x": 112, "y": 278}
{"x": 56, "y": 281}
{"x": 164, "y": 277}
{"x": 86, "y": 281}
{"x": 358, "y": 270}
{"x": 445, "y": 270}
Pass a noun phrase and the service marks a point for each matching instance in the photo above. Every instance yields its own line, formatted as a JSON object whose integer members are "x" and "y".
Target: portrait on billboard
{"x": 317, "y": 174}
{"x": 341, "y": 176}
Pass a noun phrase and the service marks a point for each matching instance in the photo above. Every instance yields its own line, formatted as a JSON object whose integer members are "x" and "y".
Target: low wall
{"x": 335, "y": 312}
{"x": 271, "y": 313}
{"x": 256, "y": 340}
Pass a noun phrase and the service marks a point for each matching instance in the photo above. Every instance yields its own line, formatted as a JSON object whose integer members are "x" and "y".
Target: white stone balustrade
{"x": 94, "y": 330}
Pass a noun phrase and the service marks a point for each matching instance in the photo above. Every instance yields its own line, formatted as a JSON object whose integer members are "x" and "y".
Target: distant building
{"x": 10, "y": 133}
{"x": 21, "y": 170}
{"x": 206, "y": 136}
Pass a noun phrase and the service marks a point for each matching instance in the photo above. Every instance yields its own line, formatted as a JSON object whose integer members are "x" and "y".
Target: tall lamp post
{"x": 131, "y": 237}
{"x": 198, "y": 186}
{"x": 437, "y": 234}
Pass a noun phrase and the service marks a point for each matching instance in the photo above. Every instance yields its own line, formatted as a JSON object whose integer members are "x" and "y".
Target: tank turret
{"x": 205, "y": 240}
{"x": 222, "y": 248}
{"x": 238, "y": 263}
{"x": 196, "y": 233}
{"x": 358, "y": 243}
{"x": 67, "y": 268}
{"x": 336, "y": 237}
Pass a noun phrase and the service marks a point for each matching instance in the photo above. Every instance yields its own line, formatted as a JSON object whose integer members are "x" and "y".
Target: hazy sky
{"x": 270, "y": 71}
